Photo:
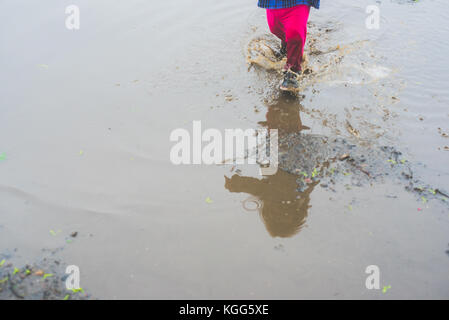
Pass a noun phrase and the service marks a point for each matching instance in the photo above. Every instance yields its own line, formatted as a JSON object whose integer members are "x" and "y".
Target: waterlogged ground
{"x": 86, "y": 177}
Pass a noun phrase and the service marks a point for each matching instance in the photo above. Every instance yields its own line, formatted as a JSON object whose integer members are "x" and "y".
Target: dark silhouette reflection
{"x": 283, "y": 114}
{"x": 282, "y": 207}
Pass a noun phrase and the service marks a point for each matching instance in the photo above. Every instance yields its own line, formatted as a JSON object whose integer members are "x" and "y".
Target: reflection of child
{"x": 287, "y": 20}
{"x": 283, "y": 209}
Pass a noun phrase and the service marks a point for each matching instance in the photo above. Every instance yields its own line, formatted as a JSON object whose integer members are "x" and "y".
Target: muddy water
{"x": 84, "y": 136}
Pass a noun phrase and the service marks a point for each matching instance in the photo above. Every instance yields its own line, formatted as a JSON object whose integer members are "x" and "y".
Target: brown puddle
{"x": 89, "y": 154}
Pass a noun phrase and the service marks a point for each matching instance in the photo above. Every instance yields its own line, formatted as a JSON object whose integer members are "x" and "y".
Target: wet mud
{"x": 42, "y": 280}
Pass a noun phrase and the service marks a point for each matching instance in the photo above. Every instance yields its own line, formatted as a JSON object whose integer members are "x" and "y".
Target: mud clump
{"x": 328, "y": 161}
{"x": 315, "y": 157}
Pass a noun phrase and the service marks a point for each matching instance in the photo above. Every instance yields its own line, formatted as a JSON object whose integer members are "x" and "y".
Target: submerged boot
{"x": 282, "y": 53}
{"x": 290, "y": 82}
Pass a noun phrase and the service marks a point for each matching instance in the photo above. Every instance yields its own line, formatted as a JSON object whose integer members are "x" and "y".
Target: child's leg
{"x": 295, "y": 26}
{"x": 274, "y": 23}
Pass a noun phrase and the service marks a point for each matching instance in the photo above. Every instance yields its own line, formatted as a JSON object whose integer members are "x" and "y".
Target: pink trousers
{"x": 290, "y": 25}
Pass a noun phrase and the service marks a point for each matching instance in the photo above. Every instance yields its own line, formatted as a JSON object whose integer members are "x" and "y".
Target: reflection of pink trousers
{"x": 290, "y": 25}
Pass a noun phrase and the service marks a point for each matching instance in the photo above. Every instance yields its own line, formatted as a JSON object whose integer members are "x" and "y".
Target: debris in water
{"x": 351, "y": 130}
{"x": 303, "y": 173}
{"x": 279, "y": 247}
{"x": 47, "y": 275}
{"x": 74, "y": 234}
{"x": 384, "y": 290}
{"x": 2, "y": 156}
{"x": 209, "y": 200}
{"x": 229, "y": 98}
{"x": 344, "y": 157}
{"x": 54, "y": 233}
{"x": 443, "y": 134}
{"x": 2, "y": 262}
{"x": 39, "y": 273}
